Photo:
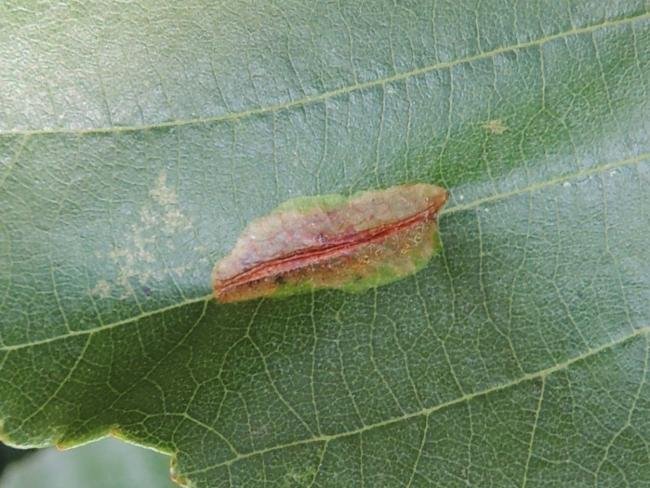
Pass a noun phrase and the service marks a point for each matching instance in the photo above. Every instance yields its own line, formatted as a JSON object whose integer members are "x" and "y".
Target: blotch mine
{"x": 331, "y": 241}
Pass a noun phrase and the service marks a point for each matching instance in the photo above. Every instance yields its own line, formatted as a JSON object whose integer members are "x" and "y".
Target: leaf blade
{"x": 106, "y": 259}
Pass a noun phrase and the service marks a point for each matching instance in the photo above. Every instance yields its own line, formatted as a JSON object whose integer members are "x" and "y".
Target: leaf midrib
{"x": 308, "y": 100}
{"x": 453, "y": 209}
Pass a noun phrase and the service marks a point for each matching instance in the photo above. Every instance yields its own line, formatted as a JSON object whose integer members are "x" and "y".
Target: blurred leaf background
{"x": 105, "y": 464}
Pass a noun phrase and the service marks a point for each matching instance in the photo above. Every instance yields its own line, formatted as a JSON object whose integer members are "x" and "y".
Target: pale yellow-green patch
{"x": 495, "y": 126}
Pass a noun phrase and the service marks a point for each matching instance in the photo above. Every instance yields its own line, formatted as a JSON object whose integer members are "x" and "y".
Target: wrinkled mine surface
{"x": 330, "y": 241}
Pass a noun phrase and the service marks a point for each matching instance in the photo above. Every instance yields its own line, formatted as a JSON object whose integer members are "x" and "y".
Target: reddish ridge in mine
{"x": 328, "y": 250}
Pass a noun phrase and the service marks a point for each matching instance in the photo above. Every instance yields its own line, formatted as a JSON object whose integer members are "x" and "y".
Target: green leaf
{"x": 138, "y": 139}
{"x": 106, "y": 464}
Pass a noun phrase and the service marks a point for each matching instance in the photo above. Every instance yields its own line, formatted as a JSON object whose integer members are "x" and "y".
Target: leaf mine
{"x": 330, "y": 241}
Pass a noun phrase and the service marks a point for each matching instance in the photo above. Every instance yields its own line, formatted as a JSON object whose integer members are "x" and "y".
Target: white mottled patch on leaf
{"x": 102, "y": 289}
{"x": 161, "y": 221}
{"x": 161, "y": 193}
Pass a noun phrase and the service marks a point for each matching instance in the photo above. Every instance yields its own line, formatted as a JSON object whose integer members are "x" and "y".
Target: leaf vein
{"x": 308, "y": 100}
{"x": 457, "y": 208}
{"x": 541, "y": 374}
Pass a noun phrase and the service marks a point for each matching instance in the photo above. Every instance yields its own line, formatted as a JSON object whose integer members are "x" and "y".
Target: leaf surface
{"x": 138, "y": 139}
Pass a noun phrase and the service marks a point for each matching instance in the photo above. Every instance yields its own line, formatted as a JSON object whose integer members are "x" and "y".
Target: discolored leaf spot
{"x": 330, "y": 241}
